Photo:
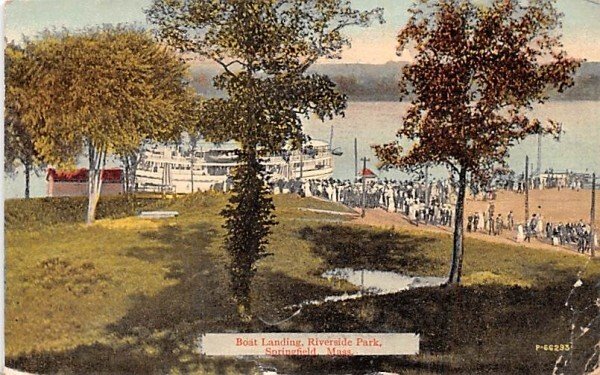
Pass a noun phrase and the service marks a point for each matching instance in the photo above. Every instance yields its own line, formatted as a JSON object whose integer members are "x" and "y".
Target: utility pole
{"x": 355, "y": 160}
{"x": 301, "y": 160}
{"x": 526, "y": 186}
{"x": 364, "y": 186}
{"x": 593, "y": 218}
{"x": 427, "y": 185}
{"x": 539, "y": 155}
{"x": 331, "y": 138}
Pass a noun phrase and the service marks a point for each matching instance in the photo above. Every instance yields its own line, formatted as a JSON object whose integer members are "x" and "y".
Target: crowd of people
{"x": 564, "y": 234}
{"x": 489, "y": 222}
{"x": 574, "y": 234}
{"x": 433, "y": 203}
{"x": 546, "y": 180}
{"x": 568, "y": 234}
{"x": 429, "y": 203}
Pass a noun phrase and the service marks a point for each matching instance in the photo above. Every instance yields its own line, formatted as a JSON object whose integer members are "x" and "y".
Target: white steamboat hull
{"x": 181, "y": 183}
{"x": 164, "y": 172}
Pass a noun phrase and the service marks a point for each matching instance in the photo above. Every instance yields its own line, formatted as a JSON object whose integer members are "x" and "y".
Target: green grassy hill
{"x": 128, "y": 295}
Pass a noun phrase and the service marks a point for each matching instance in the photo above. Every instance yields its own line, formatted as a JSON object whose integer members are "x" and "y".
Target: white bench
{"x": 158, "y": 214}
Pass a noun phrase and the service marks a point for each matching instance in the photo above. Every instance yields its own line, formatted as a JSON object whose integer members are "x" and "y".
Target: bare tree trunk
{"x": 27, "y": 178}
{"x": 134, "y": 166}
{"x": 458, "y": 243}
{"x": 97, "y": 159}
{"x": 126, "y": 165}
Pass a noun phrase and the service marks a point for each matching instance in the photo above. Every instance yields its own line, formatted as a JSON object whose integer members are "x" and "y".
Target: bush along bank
{"x": 35, "y": 212}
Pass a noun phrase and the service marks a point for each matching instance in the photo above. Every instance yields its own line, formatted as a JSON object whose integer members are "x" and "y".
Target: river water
{"x": 370, "y": 283}
{"x": 377, "y": 122}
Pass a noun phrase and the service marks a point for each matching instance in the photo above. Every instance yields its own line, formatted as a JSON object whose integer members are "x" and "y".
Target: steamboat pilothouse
{"x": 168, "y": 169}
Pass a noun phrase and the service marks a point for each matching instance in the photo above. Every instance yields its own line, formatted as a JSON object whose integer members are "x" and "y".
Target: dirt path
{"x": 556, "y": 206}
{"x": 329, "y": 212}
{"x": 381, "y": 218}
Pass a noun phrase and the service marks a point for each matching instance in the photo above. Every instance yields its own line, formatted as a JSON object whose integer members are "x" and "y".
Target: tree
{"x": 18, "y": 144}
{"x": 477, "y": 73}
{"x": 130, "y": 159}
{"x": 103, "y": 91}
{"x": 264, "y": 49}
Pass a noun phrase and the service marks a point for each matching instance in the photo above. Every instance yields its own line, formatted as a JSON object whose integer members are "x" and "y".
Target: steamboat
{"x": 169, "y": 169}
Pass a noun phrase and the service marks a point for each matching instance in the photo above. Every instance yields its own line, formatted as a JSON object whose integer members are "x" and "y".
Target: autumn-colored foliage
{"x": 477, "y": 72}
{"x": 101, "y": 91}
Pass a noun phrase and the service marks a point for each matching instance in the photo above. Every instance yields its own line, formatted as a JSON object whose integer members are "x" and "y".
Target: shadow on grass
{"x": 159, "y": 333}
{"x": 479, "y": 329}
{"x": 464, "y": 330}
{"x": 467, "y": 330}
{"x": 275, "y": 292}
{"x": 367, "y": 248}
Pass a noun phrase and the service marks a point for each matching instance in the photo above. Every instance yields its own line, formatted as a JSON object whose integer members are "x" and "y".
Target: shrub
{"x": 35, "y": 212}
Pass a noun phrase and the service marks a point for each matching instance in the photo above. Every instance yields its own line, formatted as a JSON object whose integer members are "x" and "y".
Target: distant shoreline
{"x": 379, "y": 82}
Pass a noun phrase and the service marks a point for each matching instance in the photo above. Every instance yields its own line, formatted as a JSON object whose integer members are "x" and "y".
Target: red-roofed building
{"x": 367, "y": 173}
{"x": 73, "y": 183}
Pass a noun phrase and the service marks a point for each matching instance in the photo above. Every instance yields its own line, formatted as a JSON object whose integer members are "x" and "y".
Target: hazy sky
{"x": 372, "y": 45}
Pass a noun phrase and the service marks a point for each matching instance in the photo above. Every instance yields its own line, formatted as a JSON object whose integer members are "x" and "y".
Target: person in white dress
{"x": 520, "y": 234}
{"x": 391, "y": 205}
{"x": 307, "y": 191}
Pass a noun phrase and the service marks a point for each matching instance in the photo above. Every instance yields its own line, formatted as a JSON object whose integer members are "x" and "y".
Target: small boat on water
{"x": 168, "y": 169}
